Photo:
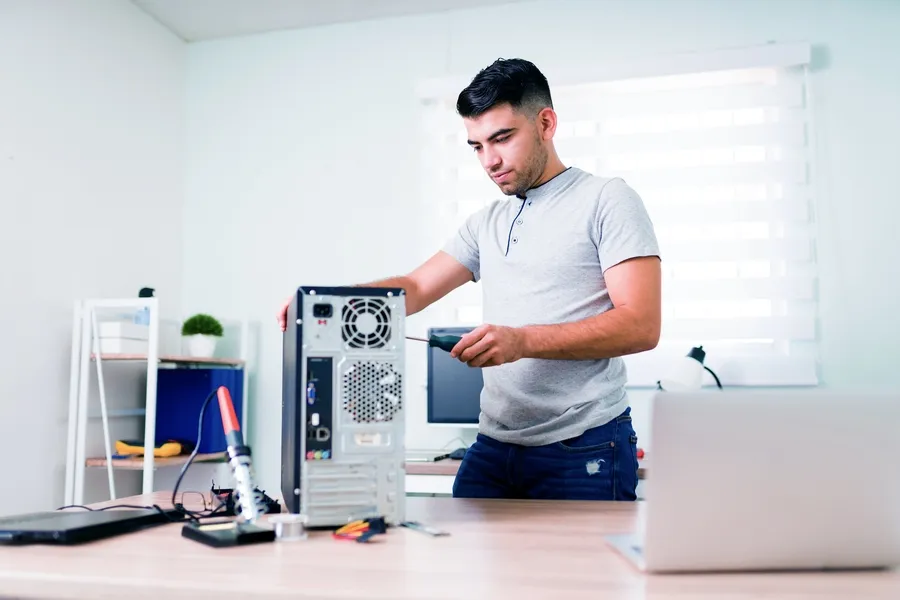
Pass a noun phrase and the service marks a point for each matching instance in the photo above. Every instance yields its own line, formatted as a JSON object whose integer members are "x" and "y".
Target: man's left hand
{"x": 490, "y": 345}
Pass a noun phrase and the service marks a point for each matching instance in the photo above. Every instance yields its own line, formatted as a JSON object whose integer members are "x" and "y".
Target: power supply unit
{"x": 343, "y": 394}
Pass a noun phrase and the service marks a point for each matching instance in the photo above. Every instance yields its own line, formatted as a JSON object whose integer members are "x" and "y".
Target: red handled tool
{"x": 229, "y": 418}
{"x": 361, "y": 530}
{"x": 239, "y": 457}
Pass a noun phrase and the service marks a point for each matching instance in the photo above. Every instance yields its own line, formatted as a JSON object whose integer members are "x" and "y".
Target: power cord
{"x": 155, "y": 507}
{"x": 194, "y": 515}
{"x": 456, "y": 439}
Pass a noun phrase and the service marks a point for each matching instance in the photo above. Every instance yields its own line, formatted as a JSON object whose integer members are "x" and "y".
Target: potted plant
{"x": 202, "y": 332}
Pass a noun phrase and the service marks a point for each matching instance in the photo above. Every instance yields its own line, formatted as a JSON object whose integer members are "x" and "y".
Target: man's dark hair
{"x": 512, "y": 81}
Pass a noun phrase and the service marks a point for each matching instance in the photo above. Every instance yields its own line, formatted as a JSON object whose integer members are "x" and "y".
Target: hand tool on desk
{"x": 416, "y": 526}
{"x": 444, "y": 342}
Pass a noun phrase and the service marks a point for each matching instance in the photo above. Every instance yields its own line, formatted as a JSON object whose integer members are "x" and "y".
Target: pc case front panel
{"x": 349, "y": 424}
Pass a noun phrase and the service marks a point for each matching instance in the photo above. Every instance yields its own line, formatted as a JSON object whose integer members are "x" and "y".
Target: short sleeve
{"x": 463, "y": 245}
{"x": 624, "y": 227}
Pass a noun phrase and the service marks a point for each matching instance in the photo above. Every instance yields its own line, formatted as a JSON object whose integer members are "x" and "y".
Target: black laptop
{"x": 77, "y": 526}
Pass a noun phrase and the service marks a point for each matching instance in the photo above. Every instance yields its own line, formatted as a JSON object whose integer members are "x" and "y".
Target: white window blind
{"x": 721, "y": 159}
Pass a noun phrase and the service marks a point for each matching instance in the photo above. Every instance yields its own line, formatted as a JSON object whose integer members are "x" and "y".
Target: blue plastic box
{"x": 179, "y": 396}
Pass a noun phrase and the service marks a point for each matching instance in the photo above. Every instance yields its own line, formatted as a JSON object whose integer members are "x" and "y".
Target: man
{"x": 569, "y": 264}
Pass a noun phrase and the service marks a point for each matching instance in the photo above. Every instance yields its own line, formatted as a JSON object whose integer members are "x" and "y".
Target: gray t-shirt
{"x": 541, "y": 261}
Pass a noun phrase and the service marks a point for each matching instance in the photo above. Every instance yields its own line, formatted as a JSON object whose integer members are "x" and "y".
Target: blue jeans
{"x": 600, "y": 464}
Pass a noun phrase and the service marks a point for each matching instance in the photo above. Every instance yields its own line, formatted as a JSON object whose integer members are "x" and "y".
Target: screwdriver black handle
{"x": 444, "y": 342}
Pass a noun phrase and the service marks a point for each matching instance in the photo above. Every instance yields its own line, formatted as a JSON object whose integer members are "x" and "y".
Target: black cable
{"x": 180, "y": 507}
{"x": 155, "y": 507}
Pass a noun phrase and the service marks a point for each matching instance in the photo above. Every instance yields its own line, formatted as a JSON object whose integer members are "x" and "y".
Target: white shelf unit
{"x": 87, "y": 349}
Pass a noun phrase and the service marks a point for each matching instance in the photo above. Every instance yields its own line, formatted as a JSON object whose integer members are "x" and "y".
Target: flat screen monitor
{"x": 454, "y": 388}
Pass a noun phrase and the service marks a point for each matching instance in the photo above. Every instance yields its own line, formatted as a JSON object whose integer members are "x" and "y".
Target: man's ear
{"x": 546, "y": 122}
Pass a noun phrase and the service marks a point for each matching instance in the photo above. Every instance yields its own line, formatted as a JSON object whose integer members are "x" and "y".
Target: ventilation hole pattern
{"x": 372, "y": 392}
{"x": 375, "y": 314}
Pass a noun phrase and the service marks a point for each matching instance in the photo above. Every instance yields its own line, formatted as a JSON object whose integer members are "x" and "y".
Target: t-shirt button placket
{"x": 515, "y": 240}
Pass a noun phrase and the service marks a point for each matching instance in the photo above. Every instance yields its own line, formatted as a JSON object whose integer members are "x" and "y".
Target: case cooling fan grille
{"x": 372, "y": 392}
{"x": 366, "y": 323}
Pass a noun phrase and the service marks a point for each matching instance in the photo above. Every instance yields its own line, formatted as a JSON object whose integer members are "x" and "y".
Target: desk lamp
{"x": 687, "y": 374}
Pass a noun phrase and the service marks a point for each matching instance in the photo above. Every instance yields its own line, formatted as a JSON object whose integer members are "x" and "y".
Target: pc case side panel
{"x": 292, "y": 407}
{"x": 392, "y": 481}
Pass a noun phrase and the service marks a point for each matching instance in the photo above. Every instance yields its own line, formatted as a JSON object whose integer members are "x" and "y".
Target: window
{"x": 721, "y": 159}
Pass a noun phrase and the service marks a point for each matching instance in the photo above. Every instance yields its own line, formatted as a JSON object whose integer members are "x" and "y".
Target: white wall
{"x": 91, "y": 189}
{"x": 302, "y": 153}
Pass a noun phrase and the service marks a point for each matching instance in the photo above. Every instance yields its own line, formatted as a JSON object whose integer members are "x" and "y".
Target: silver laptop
{"x": 770, "y": 480}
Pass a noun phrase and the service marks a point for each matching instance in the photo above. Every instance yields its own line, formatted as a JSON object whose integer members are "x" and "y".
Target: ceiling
{"x": 195, "y": 20}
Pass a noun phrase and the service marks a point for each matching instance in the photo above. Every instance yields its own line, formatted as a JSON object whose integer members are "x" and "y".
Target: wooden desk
{"x": 497, "y": 550}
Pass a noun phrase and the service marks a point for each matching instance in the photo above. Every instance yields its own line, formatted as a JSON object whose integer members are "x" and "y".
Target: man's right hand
{"x": 282, "y": 315}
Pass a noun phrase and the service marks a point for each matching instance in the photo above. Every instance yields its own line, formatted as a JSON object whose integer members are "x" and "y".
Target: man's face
{"x": 510, "y": 146}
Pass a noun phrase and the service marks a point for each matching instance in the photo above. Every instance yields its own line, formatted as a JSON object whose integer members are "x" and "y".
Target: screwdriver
{"x": 444, "y": 342}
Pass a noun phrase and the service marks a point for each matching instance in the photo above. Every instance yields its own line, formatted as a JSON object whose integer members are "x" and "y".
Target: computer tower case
{"x": 343, "y": 395}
